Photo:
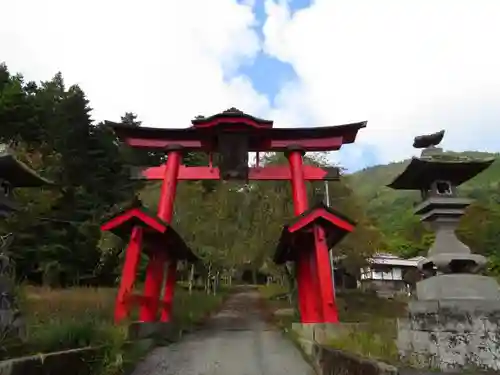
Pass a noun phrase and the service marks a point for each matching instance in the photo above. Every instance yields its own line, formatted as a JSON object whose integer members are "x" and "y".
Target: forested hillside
{"x": 404, "y": 234}
{"x": 56, "y": 235}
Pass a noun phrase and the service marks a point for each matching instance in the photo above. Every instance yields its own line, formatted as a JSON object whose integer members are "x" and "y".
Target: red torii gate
{"x": 232, "y": 134}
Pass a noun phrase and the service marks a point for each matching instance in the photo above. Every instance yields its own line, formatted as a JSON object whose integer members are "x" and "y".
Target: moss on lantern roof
{"x": 422, "y": 172}
{"x": 16, "y": 172}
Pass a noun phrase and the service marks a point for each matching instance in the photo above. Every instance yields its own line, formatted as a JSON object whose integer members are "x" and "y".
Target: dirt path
{"x": 236, "y": 341}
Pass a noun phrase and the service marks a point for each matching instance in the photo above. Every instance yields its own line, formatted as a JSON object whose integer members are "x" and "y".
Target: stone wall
{"x": 77, "y": 361}
{"x": 329, "y": 361}
{"x": 451, "y": 335}
{"x": 326, "y": 360}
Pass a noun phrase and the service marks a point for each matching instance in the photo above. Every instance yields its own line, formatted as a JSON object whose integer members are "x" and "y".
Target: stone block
{"x": 479, "y": 307}
{"x": 419, "y": 348}
{"x": 285, "y": 312}
{"x": 453, "y": 349}
{"x": 403, "y": 324}
{"x": 423, "y": 315}
{"x": 458, "y": 286}
{"x": 465, "y": 315}
{"x": 484, "y": 350}
{"x": 404, "y": 342}
{"x": 320, "y": 332}
{"x": 415, "y": 307}
{"x": 306, "y": 345}
{"x": 12, "y": 324}
{"x": 450, "y": 350}
{"x": 422, "y": 341}
{"x": 304, "y": 330}
{"x": 152, "y": 330}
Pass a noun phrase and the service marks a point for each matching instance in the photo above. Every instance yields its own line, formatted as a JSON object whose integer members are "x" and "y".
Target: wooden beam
{"x": 311, "y": 173}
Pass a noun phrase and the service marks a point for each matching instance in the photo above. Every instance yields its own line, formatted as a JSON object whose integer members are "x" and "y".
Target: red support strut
{"x": 324, "y": 277}
{"x": 128, "y": 274}
{"x": 152, "y": 287}
{"x": 168, "y": 296}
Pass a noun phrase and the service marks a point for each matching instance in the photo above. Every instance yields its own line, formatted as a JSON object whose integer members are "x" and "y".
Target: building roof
{"x": 17, "y": 173}
{"x": 388, "y": 259}
{"x": 393, "y": 260}
{"x": 203, "y": 133}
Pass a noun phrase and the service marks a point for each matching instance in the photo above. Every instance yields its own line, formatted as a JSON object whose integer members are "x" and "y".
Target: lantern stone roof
{"x": 17, "y": 173}
{"x": 422, "y": 172}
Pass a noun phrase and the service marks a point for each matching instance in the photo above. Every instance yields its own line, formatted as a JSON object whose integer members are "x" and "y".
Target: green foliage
{"x": 49, "y": 127}
{"x": 57, "y": 237}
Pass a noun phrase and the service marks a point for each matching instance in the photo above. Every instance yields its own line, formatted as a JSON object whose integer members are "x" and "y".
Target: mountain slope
{"x": 392, "y": 209}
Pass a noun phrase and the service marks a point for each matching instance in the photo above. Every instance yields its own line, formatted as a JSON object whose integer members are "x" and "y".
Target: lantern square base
{"x": 458, "y": 286}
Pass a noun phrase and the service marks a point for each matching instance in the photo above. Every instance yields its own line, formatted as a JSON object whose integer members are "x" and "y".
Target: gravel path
{"x": 236, "y": 341}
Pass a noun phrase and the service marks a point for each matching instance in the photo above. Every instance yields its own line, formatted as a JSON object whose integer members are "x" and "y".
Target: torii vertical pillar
{"x": 155, "y": 270}
{"x": 307, "y": 290}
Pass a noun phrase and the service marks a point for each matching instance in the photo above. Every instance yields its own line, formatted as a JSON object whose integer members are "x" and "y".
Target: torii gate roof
{"x": 202, "y": 135}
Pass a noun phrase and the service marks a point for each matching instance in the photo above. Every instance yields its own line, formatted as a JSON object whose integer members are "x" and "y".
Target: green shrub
{"x": 375, "y": 339}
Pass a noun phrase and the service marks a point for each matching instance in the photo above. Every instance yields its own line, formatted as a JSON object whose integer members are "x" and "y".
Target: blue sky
{"x": 268, "y": 75}
{"x": 408, "y": 67}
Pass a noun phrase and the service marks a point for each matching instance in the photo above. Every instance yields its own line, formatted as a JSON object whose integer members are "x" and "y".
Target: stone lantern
{"x": 456, "y": 311}
{"x": 13, "y": 174}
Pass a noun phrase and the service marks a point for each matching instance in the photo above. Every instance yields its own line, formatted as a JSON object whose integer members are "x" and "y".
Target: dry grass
{"x": 44, "y": 305}
{"x": 59, "y": 319}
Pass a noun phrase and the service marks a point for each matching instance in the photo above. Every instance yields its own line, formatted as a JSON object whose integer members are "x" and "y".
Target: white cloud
{"x": 406, "y": 66}
{"x": 165, "y": 60}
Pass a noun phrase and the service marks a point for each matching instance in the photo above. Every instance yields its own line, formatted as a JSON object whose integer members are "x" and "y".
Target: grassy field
{"x": 374, "y": 337}
{"x": 59, "y": 319}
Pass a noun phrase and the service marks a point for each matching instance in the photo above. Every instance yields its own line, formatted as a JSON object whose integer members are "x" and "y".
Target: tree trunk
{"x": 291, "y": 284}
{"x": 216, "y": 282}
{"x": 191, "y": 278}
{"x": 209, "y": 277}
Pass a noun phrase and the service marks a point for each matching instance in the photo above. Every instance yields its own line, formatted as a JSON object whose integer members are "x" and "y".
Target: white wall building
{"x": 386, "y": 273}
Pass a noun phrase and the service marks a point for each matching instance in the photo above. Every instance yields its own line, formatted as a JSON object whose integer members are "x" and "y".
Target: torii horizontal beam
{"x": 311, "y": 173}
{"x": 272, "y": 145}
